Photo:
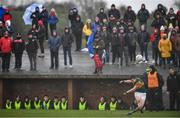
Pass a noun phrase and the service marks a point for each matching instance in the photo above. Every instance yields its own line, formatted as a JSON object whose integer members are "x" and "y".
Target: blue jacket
{"x": 54, "y": 43}
{"x": 52, "y": 19}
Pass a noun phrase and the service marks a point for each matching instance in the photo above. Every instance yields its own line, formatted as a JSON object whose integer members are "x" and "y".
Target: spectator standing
{"x": 143, "y": 16}
{"x": 173, "y": 89}
{"x": 32, "y": 48}
{"x": 165, "y": 48}
{"x": 6, "y": 48}
{"x": 52, "y": 20}
{"x": 130, "y": 15}
{"x": 87, "y": 29}
{"x": 101, "y": 15}
{"x": 171, "y": 18}
{"x": 114, "y": 12}
{"x": 44, "y": 15}
{"x": 67, "y": 40}
{"x": 143, "y": 40}
{"x": 77, "y": 28}
{"x": 18, "y": 48}
{"x": 54, "y": 43}
{"x": 36, "y": 16}
{"x": 41, "y": 37}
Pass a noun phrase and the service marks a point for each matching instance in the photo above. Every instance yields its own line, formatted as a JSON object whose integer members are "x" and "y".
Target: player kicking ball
{"x": 139, "y": 93}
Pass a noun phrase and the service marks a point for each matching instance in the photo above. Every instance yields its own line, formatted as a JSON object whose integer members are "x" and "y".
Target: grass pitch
{"x": 87, "y": 113}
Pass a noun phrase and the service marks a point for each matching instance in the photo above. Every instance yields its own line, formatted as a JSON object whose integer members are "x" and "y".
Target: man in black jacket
{"x": 67, "y": 40}
{"x": 2, "y": 29}
{"x": 158, "y": 22}
{"x": 130, "y": 15}
{"x": 18, "y": 46}
{"x": 143, "y": 15}
{"x": 171, "y": 18}
{"x": 115, "y": 12}
{"x": 32, "y": 48}
{"x": 44, "y": 15}
{"x": 101, "y": 15}
{"x": 35, "y": 16}
{"x": 77, "y": 32}
{"x": 143, "y": 40}
{"x": 173, "y": 89}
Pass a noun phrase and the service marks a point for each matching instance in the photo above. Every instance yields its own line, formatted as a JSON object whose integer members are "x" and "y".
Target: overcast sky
{"x": 150, "y": 4}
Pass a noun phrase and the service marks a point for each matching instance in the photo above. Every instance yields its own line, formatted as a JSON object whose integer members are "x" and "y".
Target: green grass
{"x": 88, "y": 113}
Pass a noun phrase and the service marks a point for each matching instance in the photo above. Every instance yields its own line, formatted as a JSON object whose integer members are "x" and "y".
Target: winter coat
{"x": 178, "y": 15}
{"x": 67, "y": 40}
{"x": 54, "y": 43}
{"x": 101, "y": 16}
{"x": 18, "y": 46}
{"x": 173, "y": 39}
{"x": 173, "y": 83}
{"x": 35, "y": 16}
{"x": 177, "y": 44}
{"x": 99, "y": 46}
{"x": 32, "y": 46}
{"x": 130, "y": 15}
{"x": 157, "y": 23}
{"x": 52, "y": 20}
{"x": 114, "y": 39}
{"x": 44, "y": 15}
{"x": 143, "y": 38}
{"x": 143, "y": 15}
{"x": 115, "y": 13}
{"x": 171, "y": 18}
{"x": 87, "y": 31}
{"x": 106, "y": 37}
{"x": 6, "y": 45}
{"x": 133, "y": 37}
{"x": 41, "y": 32}
{"x": 77, "y": 27}
{"x": 165, "y": 47}
{"x": 155, "y": 40}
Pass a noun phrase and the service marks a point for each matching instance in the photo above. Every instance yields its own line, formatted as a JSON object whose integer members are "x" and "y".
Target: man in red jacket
{"x": 6, "y": 47}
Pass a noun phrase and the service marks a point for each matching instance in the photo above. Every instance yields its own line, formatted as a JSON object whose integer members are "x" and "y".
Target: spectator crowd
{"x": 112, "y": 33}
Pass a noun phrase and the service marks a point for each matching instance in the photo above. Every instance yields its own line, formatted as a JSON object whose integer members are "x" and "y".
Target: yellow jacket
{"x": 87, "y": 31}
{"x": 165, "y": 47}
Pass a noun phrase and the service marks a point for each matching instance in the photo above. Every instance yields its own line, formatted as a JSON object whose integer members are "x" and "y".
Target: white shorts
{"x": 140, "y": 95}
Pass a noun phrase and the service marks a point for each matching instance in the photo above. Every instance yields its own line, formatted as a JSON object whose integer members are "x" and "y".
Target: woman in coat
{"x": 87, "y": 30}
{"x": 52, "y": 20}
{"x": 165, "y": 48}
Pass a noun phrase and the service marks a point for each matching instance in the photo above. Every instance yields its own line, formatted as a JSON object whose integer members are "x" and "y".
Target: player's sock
{"x": 141, "y": 111}
{"x": 131, "y": 112}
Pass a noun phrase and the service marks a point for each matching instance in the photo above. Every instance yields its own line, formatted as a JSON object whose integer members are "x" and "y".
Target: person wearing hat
{"x": 130, "y": 15}
{"x": 101, "y": 15}
{"x": 67, "y": 39}
{"x": 143, "y": 16}
{"x": 165, "y": 48}
{"x": 173, "y": 89}
{"x": 171, "y": 18}
{"x": 77, "y": 28}
{"x": 35, "y": 16}
{"x": 115, "y": 12}
{"x": 139, "y": 91}
{"x": 18, "y": 45}
{"x": 161, "y": 10}
{"x": 32, "y": 48}
{"x": 44, "y": 15}
{"x": 7, "y": 16}
{"x": 154, "y": 82}
{"x": 6, "y": 49}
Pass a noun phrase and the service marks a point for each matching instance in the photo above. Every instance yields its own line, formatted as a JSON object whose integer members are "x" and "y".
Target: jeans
{"x": 32, "y": 60}
{"x": 54, "y": 59}
{"x": 67, "y": 51}
{"x": 18, "y": 60}
{"x": 6, "y": 61}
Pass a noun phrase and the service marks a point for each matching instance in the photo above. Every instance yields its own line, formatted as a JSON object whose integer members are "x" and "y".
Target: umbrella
{"x": 29, "y": 11}
{"x": 2, "y": 10}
